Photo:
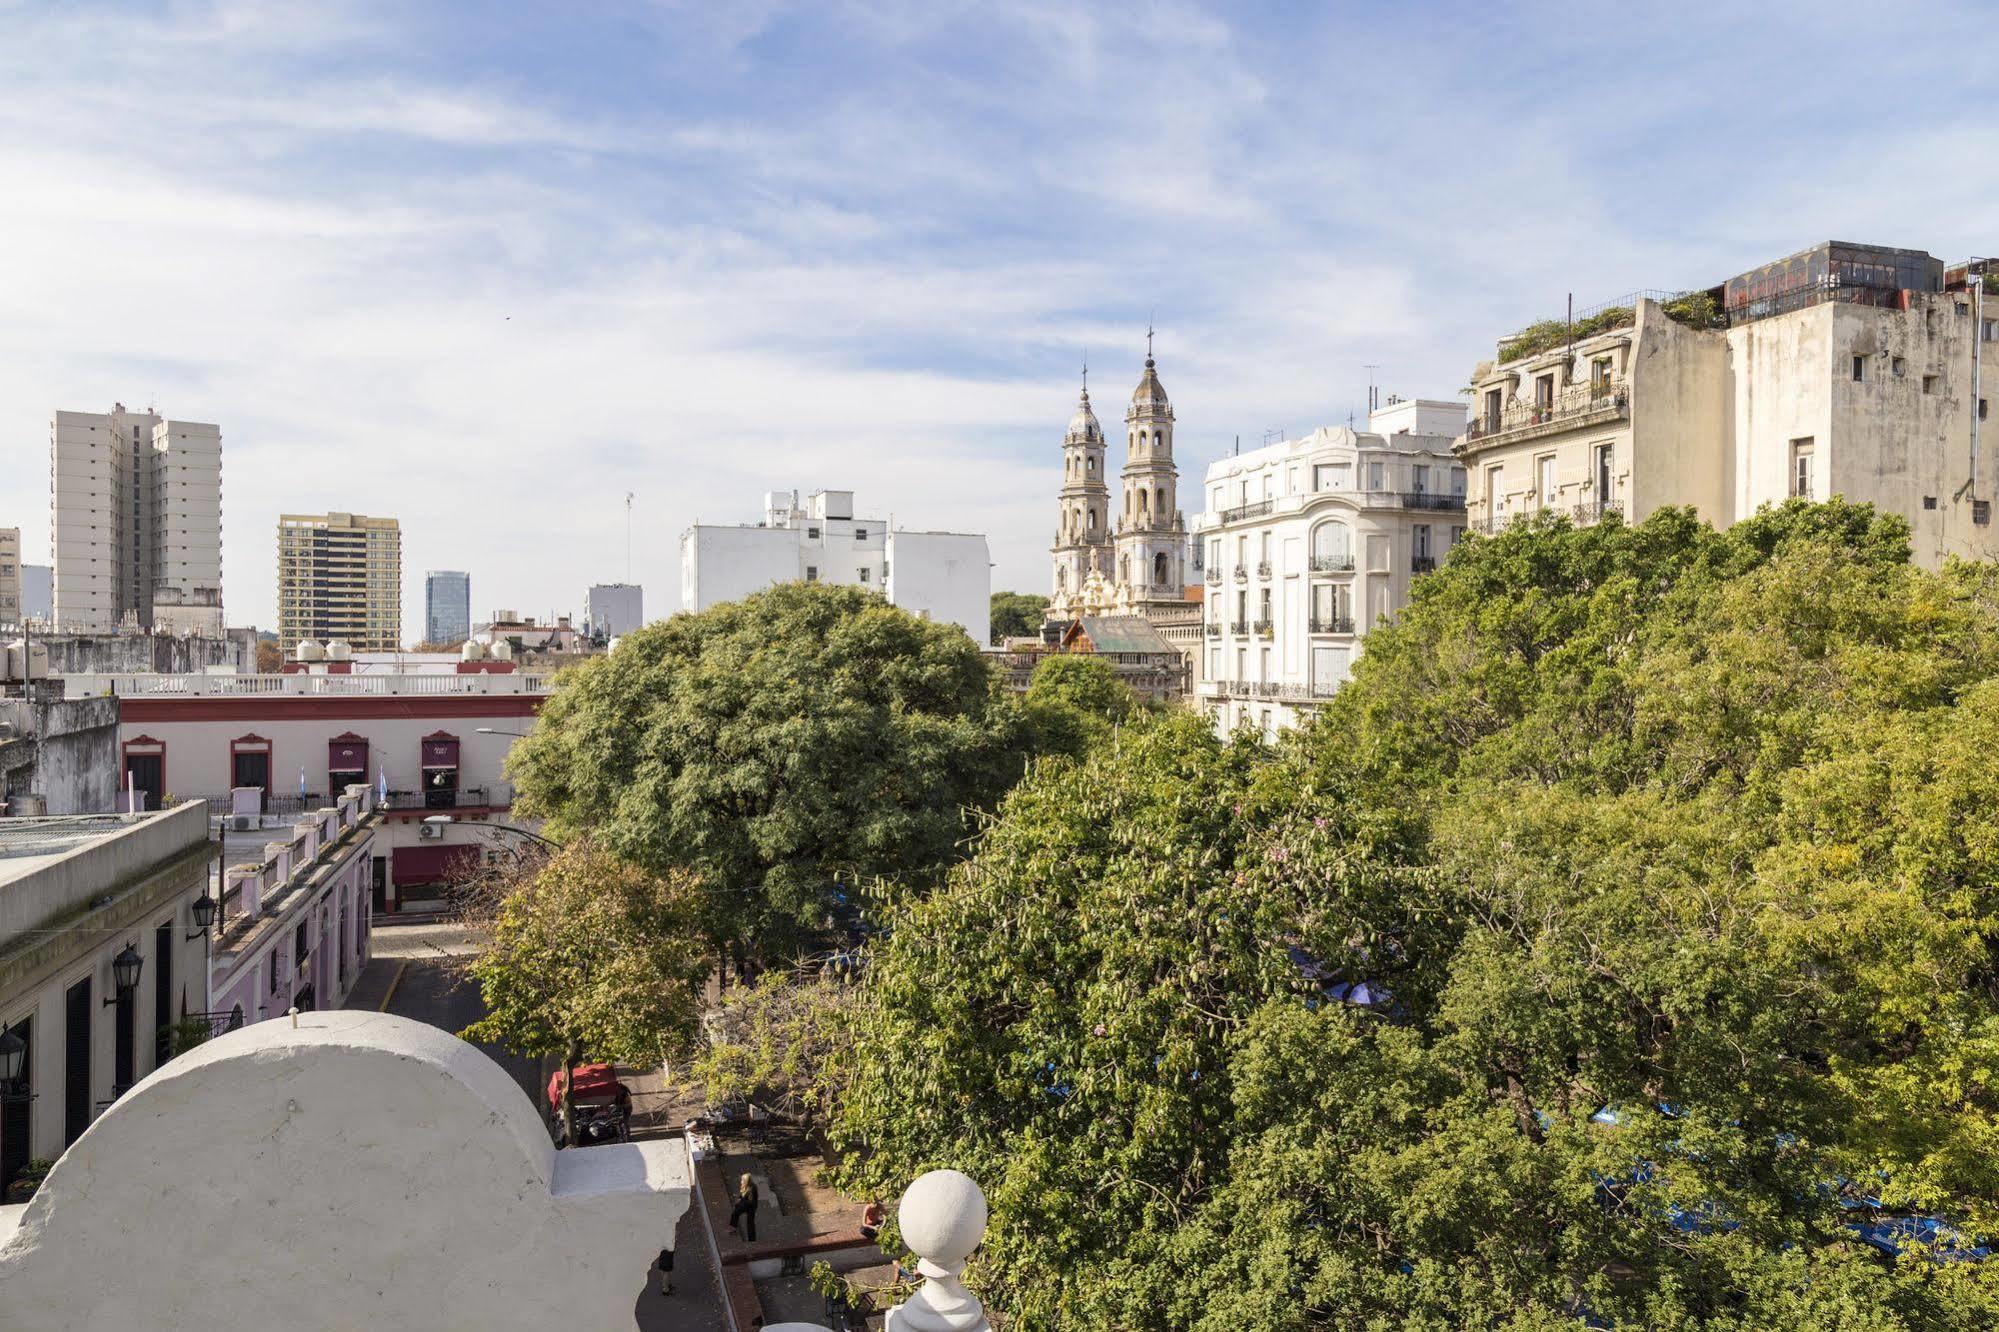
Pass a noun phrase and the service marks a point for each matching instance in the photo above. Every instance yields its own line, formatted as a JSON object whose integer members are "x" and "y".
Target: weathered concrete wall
{"x": 354, "y": 1170}
{"x": 114, "y": 654}
{"x": 65, "y": 750}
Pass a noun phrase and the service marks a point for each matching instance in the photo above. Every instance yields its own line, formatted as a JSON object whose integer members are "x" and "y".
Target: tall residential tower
{"x": 340, "y": 575}
{"x": 136, "y": 518}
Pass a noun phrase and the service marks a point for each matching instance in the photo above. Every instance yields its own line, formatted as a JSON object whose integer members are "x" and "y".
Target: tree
{"x": 1016, "y": 615}
{"x": 269, "y": 660}
{"x": 588, "y": 947}
{"x": 805, "y": 736}
{"x": 1618, "y": 949}
{"x": 784, "y": 1042}
{"x": 1073, "y": 701}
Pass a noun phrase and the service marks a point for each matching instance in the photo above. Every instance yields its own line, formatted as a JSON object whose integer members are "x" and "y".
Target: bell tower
{"x": 1151, "y": 534}
{"x": 1083, "y": 530}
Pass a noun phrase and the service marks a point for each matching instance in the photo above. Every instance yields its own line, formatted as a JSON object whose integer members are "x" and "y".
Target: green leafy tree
{"x": 1016, "y": 615}
{"x": 588, "y": 947}
{"x": 1073, "y": 701}
{"x": 804, "y": 735}
{"x": 784, "y": 1042}
{"x": 1665, "y": 858}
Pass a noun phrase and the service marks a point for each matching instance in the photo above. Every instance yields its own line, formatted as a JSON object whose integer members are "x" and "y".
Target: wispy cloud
{"x": 485, "y": 271}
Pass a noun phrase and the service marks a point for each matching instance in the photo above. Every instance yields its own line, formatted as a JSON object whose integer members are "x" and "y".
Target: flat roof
{"x": 27, "y": 844}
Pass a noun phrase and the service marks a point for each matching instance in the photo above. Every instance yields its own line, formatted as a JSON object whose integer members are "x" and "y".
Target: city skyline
{"x": 410, "y": 259}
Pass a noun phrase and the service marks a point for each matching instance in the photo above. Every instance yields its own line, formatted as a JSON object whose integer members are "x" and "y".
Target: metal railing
{"x": 1332, "y": 624}
{"x": 155, "y": 685}
{"x": 1263, "y": 629}
{"x": 1212, "y": 628}
{"x": 1263, "y": 568}
{"x": 1241, "y": 574}
{"x": 1423, "y": 499}
{"x": 470, "y": 797}
{"x": 1256, "y": 509}
{"x": 1213, "y": 576}
{"x": 1239, "y": 627}
{"x": 1332, "y": 564}
{"x": 1422, "y": 564}
{"x": 1584, "y": 404}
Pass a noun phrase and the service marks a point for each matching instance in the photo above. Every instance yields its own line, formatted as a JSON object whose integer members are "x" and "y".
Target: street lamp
{"x": 440, "y": 820}
{"x": 487, "y": 730}
{"x": 203, "y": 911}
{"x": 13, "y": 1057}
{"x": 125, "y": 974}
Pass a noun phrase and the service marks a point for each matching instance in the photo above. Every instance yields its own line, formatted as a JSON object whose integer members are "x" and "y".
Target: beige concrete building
{"x": 1309, "y": 542}
{"x": 340, "y": 575}
{"x": 1842, "y": 370}
{"x": 136, "y": 517}
{"x": 10, "y": 575}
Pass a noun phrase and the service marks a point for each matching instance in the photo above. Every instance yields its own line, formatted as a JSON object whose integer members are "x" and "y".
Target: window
{"x": 1242, "y": 605}
{"x": 1603, "y": 454}
{"x": 1544, "y": 391}
{"x": 1929, "y": 501}
{"x": 864, "y": 573}
{"x": 860, "y": 534}
{"x": 1215, "y": 554}
{"x": 1376, "y": 476}
{"x": 1221, "y": 493}
{"x": 1214, "y": 663}
{"x": 1898, "y": 365}
{"x": 1991, "y": 330}
{"x": 1419, "y": 537}
{"x": 811, "y": 534}
{"x": 1332, "y": 476}
{"x": 1159, "y": 569}
{"x": 1263, "y": 611}
{"x": 1544, "y": 480}
{"x": 1801, "y": 468}
{"x": 1492, "y": 402}
{"x": 1263, "y": 547}
{"x": 1420, "y": 479}
{"x": 1859, "y": 369}
{"x": 1089, "y": 464}
{"x": 1332, "y": 547}
{"x": 811, "y": 573}
{"x": 1242, "y": 550}
{"x": 1981, "y": 409}
{"x": 1981, "y": 511}
{"x": 1930, "y": 383}
{"x": 1495, "y": 491}
{"x": 1599, "y": 376}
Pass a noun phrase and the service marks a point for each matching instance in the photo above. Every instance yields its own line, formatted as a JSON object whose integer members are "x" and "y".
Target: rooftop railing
{"x": 435, "y": 684}
{"x": 1582, "y": 405}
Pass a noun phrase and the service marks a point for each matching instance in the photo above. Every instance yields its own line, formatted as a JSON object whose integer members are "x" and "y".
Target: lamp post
{"x": 203, "y": 911}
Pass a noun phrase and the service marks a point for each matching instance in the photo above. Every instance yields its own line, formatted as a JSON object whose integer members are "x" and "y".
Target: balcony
{"x": 1423, "y": 499}
{"x": 1423, "y": 564}
{"x": 1239, "y": 628}
{"x": 1241, "y": 574}
{"x": 1263, "y": 568}
{"x": 1591, "y": 511}
{"x": 1264, "y": 629}
{"x": 1332, "y": 564}
{"x": 1212, "y": 628}
{"x": 1242, "y": 511}
{"x": 1332, "y": 624}
{"x": 1572, "y": 409}
{"x": 1213, "y": 577}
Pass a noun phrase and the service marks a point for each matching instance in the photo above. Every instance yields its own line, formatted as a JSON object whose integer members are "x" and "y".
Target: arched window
{"x": 1332, "y": 546}
{"x": 1093, "y": 520}
{"x": 1061, "y": 580}
{"x": 1159, "y": 568}
{"x": 1160, "y": 508}
{"x": 1141, "y": 501}
{"x": 1124, "y": 568}
{"x": 1089, "y": 464}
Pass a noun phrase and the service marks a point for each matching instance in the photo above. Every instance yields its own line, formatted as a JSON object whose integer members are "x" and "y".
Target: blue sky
{"x": 487, "y": 267}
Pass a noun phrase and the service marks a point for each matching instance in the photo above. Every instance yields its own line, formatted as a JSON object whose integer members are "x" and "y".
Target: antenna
{"x": 1373, "y": 394}
{"x": 628, "y": 536}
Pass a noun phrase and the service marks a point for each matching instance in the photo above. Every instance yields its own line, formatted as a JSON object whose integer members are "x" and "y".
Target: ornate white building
{"x": 1137, "y": 564}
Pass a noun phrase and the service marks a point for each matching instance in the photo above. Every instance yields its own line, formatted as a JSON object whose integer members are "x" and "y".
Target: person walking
{"x": 743, "y": 1218}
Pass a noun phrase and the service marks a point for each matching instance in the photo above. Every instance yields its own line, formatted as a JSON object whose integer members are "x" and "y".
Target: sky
{"x": 486, "y": 268}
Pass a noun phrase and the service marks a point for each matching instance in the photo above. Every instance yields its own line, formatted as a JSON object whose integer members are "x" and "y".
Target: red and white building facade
{"x": 424, "y": 744}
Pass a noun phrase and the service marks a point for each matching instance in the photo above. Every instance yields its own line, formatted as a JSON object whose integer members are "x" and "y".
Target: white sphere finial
{"x": 943, "y": 1218}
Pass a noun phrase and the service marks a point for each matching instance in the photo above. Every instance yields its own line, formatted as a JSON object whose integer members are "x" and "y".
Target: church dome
{"x": 1150, "y": 395}
{"x": 1083, "y": 425}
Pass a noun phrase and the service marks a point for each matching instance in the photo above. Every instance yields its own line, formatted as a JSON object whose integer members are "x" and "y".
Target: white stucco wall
{"x": 943, "y": 576}
{"x": 359, "y": 1170}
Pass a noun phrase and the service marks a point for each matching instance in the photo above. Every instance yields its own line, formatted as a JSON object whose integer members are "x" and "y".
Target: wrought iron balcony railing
{"x": 1422, "y": 564}
{"x": 1264, "y": 629}
{"x": 1584, "y": 404}
{"x": 1239, "y": 627}
{"x": 1254, "y": 510}
{"x": 1423, "y": 499}
{"x": 1332, "y": 564}
{"x": 1263, "y": 568}
{"x": 1332, "y": 624}
{"x": 1214, "y": 576}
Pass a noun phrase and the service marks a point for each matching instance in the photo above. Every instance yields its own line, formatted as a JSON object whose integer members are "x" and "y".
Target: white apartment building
{"x": 611, "y": 609}
{"x": 936, "y": 575}
{"x": 1844, "y": 369}
{"x": 136, "y": 516}
{"x": 11, "y": 611}
{"x": 1308, "y": 542}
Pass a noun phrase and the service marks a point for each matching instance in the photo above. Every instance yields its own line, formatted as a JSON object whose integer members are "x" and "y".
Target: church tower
{"x": 1151, "y": 535}
{"x": 1083, "y": 532}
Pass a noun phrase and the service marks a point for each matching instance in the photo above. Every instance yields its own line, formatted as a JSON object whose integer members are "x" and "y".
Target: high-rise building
{"x": 340, "y": 575}
{"x": 11, "y": 611}
{"x": 447, "y": 606}
{"x": 1844, "y": 369}
{"x": 610, "y": 609}
{"x": 38, "y": 592}
{"x": 136, "y": 516}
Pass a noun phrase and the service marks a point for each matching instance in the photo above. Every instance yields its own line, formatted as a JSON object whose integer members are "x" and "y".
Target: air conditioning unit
{"x": 430, "y": 830}
{"x": 243, "y": 822}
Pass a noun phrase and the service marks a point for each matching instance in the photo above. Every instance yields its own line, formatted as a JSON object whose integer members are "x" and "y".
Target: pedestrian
{"x": 872, "y": 1217}
{"x": 745, "y": 1211}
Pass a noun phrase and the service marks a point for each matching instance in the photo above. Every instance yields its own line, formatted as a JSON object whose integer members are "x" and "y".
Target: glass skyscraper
{"x": 447, "y": 606}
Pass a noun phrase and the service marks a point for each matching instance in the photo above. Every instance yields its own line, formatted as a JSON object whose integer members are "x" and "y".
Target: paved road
{"x": 419, "y": 967}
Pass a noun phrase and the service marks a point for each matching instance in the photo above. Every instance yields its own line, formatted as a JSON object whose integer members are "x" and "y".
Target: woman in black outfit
{"x": 743, "y": 1219}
